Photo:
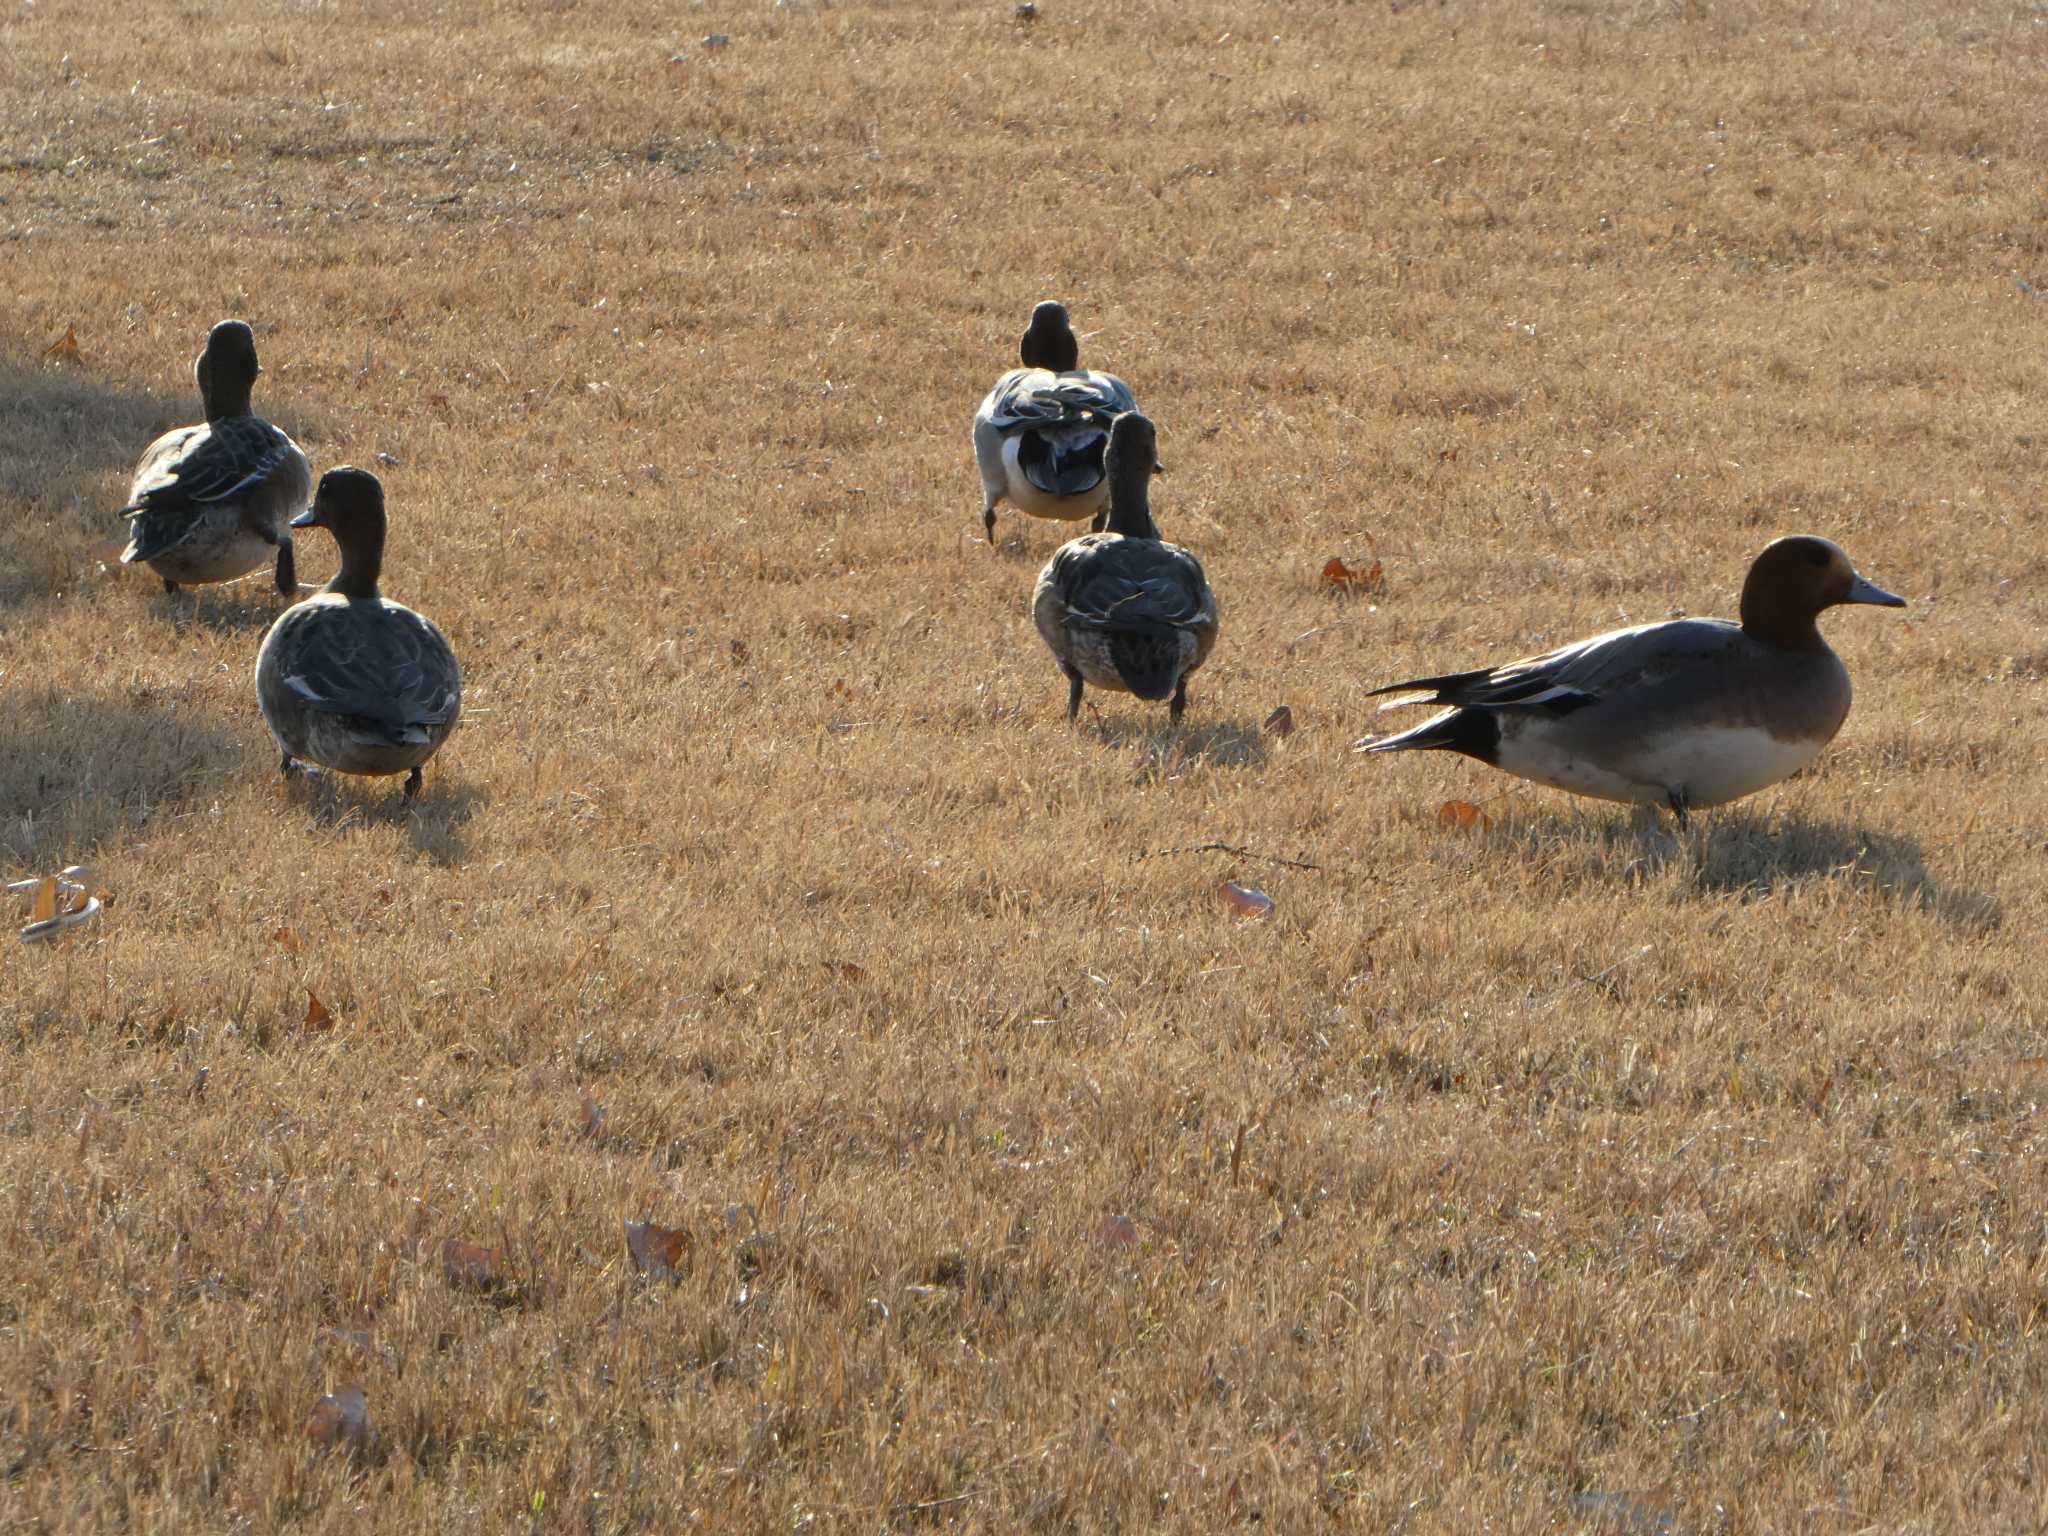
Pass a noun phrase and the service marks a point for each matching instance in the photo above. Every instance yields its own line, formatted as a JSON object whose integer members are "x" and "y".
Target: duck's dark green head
{"x": 350, "y": 505}
{"x": 1050, "y": 343}
{"x": 227, "y": 369}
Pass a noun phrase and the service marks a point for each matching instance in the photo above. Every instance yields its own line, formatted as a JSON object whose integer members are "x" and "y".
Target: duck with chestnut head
{"x": 349, "y": 679}
{"x": 1683, "y": 714}
{"x": 212, "y": 502}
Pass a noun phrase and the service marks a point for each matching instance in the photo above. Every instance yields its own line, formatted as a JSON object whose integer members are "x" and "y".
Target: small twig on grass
{"x": 1243, "y": 853}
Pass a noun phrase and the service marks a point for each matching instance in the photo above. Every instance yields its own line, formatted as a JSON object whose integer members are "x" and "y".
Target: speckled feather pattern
{"x": 363, "y": 685}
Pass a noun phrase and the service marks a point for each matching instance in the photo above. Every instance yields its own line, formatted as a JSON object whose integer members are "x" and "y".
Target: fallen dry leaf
{"x": 1339, "y": 577}
{"x": 2026, "y": 1063}
{"x": 317, "y": 1015}
{"x": 287, "y": 939}
{"x": 1462, "y": 813}
{"x": 340, "y": 1419}
{"x": 657, "y": 1251}
{"x": 65, "y": 347}
{"x": 46, "y": 900}
{"x": 1246, "y": 902}
{"x": 845, "y": 970}
{"x": 1119, "y": 1232}
{"x": 472, "y": 1266}
{"x": 1280, "y": 722}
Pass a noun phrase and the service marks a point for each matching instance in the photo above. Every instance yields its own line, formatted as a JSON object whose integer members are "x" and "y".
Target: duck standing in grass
{"x": 1693, "y": 712}
{"x": 211, "y": 502}
{"x": 349, "y": 679}
{"x": 1124, "y": 609}
{"x": 1040, "y": 436}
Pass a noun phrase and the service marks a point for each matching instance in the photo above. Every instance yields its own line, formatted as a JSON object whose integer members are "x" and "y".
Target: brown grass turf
{"x": 1521, "y": 1179}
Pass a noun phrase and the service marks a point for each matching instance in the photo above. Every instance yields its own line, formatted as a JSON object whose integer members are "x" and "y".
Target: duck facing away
{"x": 349, "y": 679}
{"x": 211, "y": 502}
{"x": 1041, "y": 435}
{"x": 1124, "y": 609}
{"x": 1693, "y": 712}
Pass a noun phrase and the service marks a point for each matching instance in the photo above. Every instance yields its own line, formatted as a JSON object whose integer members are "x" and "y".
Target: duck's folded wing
{"x": 1579, "y": 674}
{"x": 392, "y": 681}
{"x": 1137, "y": 586}
{"x": 1033, "y": 397}
{"x": 217, "y": 462}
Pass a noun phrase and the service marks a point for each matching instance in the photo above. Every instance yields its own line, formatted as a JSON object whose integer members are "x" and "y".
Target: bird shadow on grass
{"x": 1223, "y": 743}
{"x": 247, "y": 607}
{"x": 433, "y": 823}
{"x": 79, "y": 770}
{"x": 1746, "y": 853}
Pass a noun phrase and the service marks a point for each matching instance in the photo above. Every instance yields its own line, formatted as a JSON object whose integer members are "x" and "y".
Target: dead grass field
{"x": 1539, "y": 1177}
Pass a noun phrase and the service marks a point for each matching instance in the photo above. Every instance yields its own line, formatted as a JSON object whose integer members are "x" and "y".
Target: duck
{"x": 1122, "y": 608}
{"x": 1040, "y": 435}
{"x": 212, "y": 502}
{"x": 1679, "y": 715}
{"x": 349, "y": 679}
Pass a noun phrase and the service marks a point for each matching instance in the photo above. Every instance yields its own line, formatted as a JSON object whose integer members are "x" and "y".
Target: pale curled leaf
{"x": 1246, "y": 902}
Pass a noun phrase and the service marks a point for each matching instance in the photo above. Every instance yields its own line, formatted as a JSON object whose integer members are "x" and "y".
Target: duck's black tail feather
{"x": 1062, "y": 461}
{"x": 1474, "y": 732}
{"x": 1148, "y": 660}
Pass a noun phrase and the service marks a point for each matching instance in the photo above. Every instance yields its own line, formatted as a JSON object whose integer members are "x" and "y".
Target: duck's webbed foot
{"x": 1073, "y": 694}
{"x": 413, "y": 781}
{"x": 1180, "y": 702}
{"x": 287, "y": 569}
{"x": 988, "y": 523}
{"x": 1676, "y": 799}
{"x": 170, "y": 586}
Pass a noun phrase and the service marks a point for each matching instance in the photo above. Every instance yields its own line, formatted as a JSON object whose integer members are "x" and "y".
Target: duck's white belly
{"x": 1029, "y": 499}
{"x": 219, "y": 548}
{"x": 1703, "y": 767}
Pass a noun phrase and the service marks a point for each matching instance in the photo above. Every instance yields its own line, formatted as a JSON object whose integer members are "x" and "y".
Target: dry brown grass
{"x": 1521, "y": 1180}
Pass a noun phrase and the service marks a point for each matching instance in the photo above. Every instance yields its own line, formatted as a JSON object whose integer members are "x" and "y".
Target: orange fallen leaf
{"x": 317, "y": 1015}
{"x": 340, "y": 1419}
{"x": 472, "y": 1266}
{"x": 593, "y": 1118}
{"x": 65, "y": 347}
{"x": 1246, "y": 902}
{"x": 1339, "y": 577}
{"x": 1119, "y": 1232}
{"x": 287, "y": 939}
{"x": 845, "y": 970}
{"x": 2028, "y": 1063}
{"x": 384, "y": 894}
{"x": 1462, "y": 813}
{"x": 1280, "y": 722}
{"x": 46, "y": 900}
{"x": 657, "y": 1251}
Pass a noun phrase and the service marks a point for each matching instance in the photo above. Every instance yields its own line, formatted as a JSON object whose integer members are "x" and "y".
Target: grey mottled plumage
{"x": 214, "y": 501}
{"x": 349, "y": 679}
{"x": 1124, "y": 609}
